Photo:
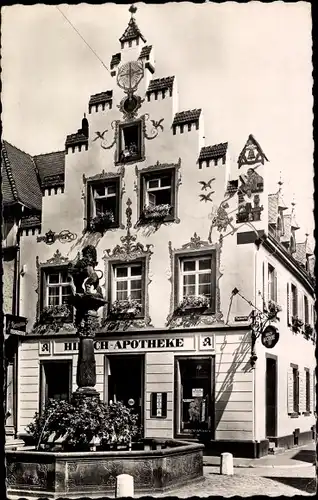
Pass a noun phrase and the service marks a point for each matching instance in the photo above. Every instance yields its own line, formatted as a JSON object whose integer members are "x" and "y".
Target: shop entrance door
{"x": 125, "y": 381}
{"x": 271, "y": 386}
{"x": 195, "y": 397}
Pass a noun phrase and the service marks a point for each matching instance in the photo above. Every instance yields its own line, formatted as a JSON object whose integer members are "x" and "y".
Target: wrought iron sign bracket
{"x": 64, "y": 236}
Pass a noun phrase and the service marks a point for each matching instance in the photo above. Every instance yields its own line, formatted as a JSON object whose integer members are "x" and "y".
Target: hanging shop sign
{"x": 15, "y": 325}
{"x": 270, "y": 336}
{"x": 135, "y": 344}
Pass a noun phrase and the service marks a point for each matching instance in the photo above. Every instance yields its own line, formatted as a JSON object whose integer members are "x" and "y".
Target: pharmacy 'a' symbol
{"x": 207, "y": 342}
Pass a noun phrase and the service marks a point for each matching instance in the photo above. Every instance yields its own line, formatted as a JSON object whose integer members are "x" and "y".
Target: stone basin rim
{"x": 184, "y": 447}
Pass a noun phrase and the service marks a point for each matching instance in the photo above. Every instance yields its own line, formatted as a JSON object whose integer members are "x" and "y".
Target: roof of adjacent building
{"x": 191, "y": 115}
{"x": 20, "y": 178}
{"x": 161, "y": 84}
{"x": 145, "y": 52}
{"x": 131, "y": 32}
{"x": 115, "y": 60}
{"x": 49, "y": 165}
{"x": 213, "y": 152}
{"x": 101, "y": 97}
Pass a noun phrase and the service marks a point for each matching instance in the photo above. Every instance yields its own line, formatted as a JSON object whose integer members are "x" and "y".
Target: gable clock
{"x": 129, "y": 76}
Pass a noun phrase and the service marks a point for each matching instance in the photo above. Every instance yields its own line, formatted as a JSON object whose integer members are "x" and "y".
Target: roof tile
{"x": 131, "y": 32}
{"x": 213, "y": 152}
{"x": 145, "y": 52}
{"x": 22, "y": 176}
{"x": 51, "y": 165}
{"x": 186, "y": 116}
{"x": 75, "y": 139}
{"x": 161, "y": 84}
{"x": 101, "y": 98}
{"x": 115, "y": 60}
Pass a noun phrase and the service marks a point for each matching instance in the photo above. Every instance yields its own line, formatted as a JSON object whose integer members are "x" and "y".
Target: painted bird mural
{"x": 206, "y": 185}
{"x": 100, "y": 135}
{"x": 157, "y": 123}
{"x": 206, "y": 197}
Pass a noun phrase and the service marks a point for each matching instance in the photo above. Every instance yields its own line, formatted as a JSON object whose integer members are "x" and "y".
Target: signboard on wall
{"x": 158, "y": 405}
{"x": 164, "y": 343}
{"x": 15, "y": 325}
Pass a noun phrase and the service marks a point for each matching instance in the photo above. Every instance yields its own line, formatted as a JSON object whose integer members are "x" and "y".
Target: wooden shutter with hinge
{"x": 290, "y": 391}
{"x": 275, "y": 286}
{"x": 302, "y": 392}
{"x": 288, "y": 305}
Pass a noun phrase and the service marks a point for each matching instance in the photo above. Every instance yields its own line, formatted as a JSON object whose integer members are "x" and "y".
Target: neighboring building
{"x": 138, "y": 182}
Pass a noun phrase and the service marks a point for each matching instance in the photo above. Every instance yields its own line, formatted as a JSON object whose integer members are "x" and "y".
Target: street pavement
{"x": 289, "y": 473}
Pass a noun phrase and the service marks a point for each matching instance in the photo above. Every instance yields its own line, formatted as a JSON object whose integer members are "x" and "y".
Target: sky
{"x": 248, "y": 66}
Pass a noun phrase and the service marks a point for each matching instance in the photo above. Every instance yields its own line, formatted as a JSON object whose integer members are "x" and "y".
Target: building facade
{"x": 194, "y": 256}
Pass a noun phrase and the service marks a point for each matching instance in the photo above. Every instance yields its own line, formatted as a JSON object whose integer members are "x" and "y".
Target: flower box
{"x": 101, "y": 222}
{"x": 297, "y": 323}
{"x": 272, "y": 310}
{"x": 308, "y": 331}
{"x": 55, "y": 314}
{"x": 157, "y": 213}
{"x": 195, "y": 303}
{"x": 122, "y": 308}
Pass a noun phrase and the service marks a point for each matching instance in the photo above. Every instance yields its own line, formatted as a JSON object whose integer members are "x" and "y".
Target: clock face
{"x": 129, "y": 75}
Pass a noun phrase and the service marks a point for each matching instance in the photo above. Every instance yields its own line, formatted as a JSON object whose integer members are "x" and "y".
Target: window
{"x": 294, "y": 296}
{"x": 159, "y": 189}
{"x": 307, "y": 372}
{"x": 56, "y": 291}
{"x": 306, "y": 310}
{"x": 130, "y": 142}
{"x": 197, "y": 277}
{"x": 272, "y": 283}
{"x": 295, "y": 390}
{"x": 103, "y": 200}
{"x": 128, "y": 282}
{"x": 52, "y": 386}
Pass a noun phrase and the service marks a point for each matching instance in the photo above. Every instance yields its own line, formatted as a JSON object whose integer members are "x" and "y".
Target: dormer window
{"x": 130, "y": 142}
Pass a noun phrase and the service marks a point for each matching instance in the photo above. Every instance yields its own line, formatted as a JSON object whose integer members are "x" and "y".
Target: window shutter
{"x": 313, "y": 393}
{"x": 213, "y": 282}
{"x": 288, "y": 305}
{"x": 301, "y": 306}
{"x": 302, "y": 392}
{"x": 43, "y": 289}
{"x": 263, "y": 284}
{"x": 275, "y": 285}
{"x": 290, "y": 391}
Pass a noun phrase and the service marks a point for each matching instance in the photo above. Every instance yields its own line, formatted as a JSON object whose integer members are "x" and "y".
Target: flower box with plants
{"x": 101, "y": 222}
{"x": 155, "y": 213}
{"x": 55, "y": 314}
{"x": 193, "y": 303}
{"x": 297, "y": 324}
{"x": 124, "y": 308}
{"x": 308, "y": 331}
{"x": 272, "y": 310}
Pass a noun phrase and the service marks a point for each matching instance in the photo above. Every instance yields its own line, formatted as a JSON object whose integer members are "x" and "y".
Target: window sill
{"x": 306, "y": 413}
{"x": 294, "y": 414}
{"x": 114, "y": 225}
{"x": 152, "y": 220}
{"x": 131, "y": 160}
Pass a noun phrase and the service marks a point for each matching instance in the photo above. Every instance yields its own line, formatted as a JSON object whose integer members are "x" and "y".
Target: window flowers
{"x": 308, "y": 330}
{"x": 102, "y": 221}
{"x": 297, "y": 323}
{"x": 193, "y": 302}
{"x": 272, "y": 310}
{"x": 126, "y": 307}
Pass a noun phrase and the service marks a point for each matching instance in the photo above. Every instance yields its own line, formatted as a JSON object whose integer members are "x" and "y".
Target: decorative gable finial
{"x": 280, "y": 182}
{"x": 132, "y": 9}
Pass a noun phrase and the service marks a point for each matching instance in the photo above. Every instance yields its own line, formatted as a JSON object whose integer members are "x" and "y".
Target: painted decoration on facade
{"x": 156, "y": 125}
{"x": 130, "y": 75}
{"x": 130, "y": 250}
{"x": 105, "y": 143}
{"x": 64, "y": 236}
{"x": 130, "y": 105}
{"x": 252, "y": 153}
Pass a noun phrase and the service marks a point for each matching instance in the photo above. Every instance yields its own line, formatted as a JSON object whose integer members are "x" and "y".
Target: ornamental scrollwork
{"x": 101, "y": 135}
{"x": 156, "y": 125}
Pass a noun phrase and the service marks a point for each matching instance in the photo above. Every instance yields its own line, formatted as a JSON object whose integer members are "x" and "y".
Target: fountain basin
{"x": 160, "y": 466}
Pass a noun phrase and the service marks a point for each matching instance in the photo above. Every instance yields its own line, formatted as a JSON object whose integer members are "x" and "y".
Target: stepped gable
{"x": 115, "y": 60}
{"x": 20, "y": 178}
{"x": 75, "y": 139}
{"x": 161, "y": 84}
{"x": 184, "y": 117}
{"x": 51, "y": 168}
{"x": 100, "y": 98}
{"x": 145, "y": 52}
{"x": 213, "y": 152}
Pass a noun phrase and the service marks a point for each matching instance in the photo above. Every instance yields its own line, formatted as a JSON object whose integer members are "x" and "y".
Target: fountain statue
{"x": 87, "y": 298}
